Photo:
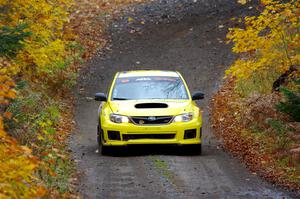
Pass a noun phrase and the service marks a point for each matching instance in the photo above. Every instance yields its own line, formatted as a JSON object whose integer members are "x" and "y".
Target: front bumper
{"x": 131, "y": 134}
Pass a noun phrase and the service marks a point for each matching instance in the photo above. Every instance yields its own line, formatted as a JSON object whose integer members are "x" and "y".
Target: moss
{"x": 162, "y": 166}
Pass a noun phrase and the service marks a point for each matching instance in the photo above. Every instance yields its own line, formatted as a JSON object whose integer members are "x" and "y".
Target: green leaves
{"x": 291, "y": 105}
{"x": 278, "y": 126}
{"x": 11, "y": 39}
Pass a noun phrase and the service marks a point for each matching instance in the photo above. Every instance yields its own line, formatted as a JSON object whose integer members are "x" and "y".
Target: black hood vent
{"x": 151, "y": 105}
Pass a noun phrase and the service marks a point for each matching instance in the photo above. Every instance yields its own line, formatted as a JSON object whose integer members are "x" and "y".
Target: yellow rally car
{"x": 149, "y": 107}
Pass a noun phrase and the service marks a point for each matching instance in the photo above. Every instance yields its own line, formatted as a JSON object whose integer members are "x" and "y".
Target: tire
{"x": 195, "y": 149}
{"x": 104, "y": 150}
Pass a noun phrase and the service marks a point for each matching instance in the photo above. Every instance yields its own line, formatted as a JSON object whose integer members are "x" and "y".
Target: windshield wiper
{"x": 119, "y": 98}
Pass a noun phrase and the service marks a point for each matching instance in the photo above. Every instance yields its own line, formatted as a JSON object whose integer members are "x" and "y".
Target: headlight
{"x": 184, "y": 117}
{"x": 118, "y": 118}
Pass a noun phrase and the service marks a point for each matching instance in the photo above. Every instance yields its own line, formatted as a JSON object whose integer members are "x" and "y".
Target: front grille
{"x": 149, "y": 120}
{"x": 127, "y": 137}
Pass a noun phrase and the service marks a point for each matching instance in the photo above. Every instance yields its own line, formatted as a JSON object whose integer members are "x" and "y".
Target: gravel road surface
{"x": 183, "y": 35}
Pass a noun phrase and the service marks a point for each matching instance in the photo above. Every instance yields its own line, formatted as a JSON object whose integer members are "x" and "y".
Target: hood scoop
{"x": 151, "y": 105}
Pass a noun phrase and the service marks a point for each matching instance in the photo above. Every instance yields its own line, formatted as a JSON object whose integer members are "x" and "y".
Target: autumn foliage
{"x": 40, "y": 27}
{"x": 267, "y": 42}
{"x": 18, "y": 165}
{"x": 43, "y": 44}
{"x": 255, "y": 112}
{"x": 33, "y": 50}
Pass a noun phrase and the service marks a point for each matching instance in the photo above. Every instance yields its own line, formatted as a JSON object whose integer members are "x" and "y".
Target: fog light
{"x": 114, "y": 135}
{"x": 190, "y": 134}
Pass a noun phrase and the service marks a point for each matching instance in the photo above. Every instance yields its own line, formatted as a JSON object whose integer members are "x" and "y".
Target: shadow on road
{"x": 146, "y": 150}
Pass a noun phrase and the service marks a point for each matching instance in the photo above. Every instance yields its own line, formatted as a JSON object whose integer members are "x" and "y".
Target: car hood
{"x": 150, "y": 107}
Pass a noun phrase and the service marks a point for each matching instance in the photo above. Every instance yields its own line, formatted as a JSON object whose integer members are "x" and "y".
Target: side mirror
{"x": 198, "y": 95}
{"x": 100, "y": 97}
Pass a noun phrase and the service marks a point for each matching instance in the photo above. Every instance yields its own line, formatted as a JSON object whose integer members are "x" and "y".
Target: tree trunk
{"x": 283, "y": 78}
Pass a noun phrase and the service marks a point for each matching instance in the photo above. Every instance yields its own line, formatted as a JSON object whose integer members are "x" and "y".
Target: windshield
{"x": 157, "y": 87}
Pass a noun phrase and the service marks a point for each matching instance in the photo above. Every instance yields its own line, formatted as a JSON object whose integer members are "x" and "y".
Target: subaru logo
{"x": 151, "y": 118}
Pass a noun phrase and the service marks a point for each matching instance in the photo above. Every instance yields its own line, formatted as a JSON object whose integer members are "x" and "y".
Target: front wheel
{"x": 195, "y": 149}
{"x": 104, "y": 150}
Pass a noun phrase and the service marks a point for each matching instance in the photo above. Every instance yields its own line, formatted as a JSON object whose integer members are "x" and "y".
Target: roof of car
{"x": 137, "y": 73}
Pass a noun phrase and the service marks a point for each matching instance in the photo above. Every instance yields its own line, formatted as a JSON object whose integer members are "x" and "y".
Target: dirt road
{"x": 181, "y": 35}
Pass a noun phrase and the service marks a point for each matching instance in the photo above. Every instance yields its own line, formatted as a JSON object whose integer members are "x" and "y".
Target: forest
{"x": 46, "y": 43}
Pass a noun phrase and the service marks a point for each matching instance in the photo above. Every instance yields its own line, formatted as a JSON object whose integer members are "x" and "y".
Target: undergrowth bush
{"x": 280, "y": 130}
{"x": 37, "y": 117}
{"x": 291, "y": 105}
{"x": 17, "y": 164}
{"x": 31, "y": 111}
{"x": 258, "y": 82}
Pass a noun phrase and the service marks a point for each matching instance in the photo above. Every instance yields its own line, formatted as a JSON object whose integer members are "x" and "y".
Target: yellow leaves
{"x": 242, "y": 2}
{"x": 130, "y": 19}
{"x": 46, "y": 45}
{"x": 6, "y": 89}
{"x": 17, "y": 170}
{"x": 241, "y": 69}
{"x": 2, "y": 133}
{"x": 40, "y": 137}
{"x": 11, "y": 94}
{"x": 26, "y": 150}
{"x": 42, "y": 55}
{"x": 267, "y": 2}
{"x": 268, "y": 40}
{"x": 287, "y": 12}
{"x": 8, "y": 67}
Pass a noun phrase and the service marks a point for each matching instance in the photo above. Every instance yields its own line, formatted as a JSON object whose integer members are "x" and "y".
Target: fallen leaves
{"x": 242, "y": 1}
{"x": 232, "y": 119}
{"x": 7, "y": 115}
{"x": 17, "y": 169}
{"x": 130, "y": 19}
{"x": 89, "y": 21}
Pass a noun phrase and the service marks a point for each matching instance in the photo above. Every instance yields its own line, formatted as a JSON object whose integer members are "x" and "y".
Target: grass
{"x": 258, "y": 83}
{"x": 61, "y": 171}
{"x": 162, "y": 166}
